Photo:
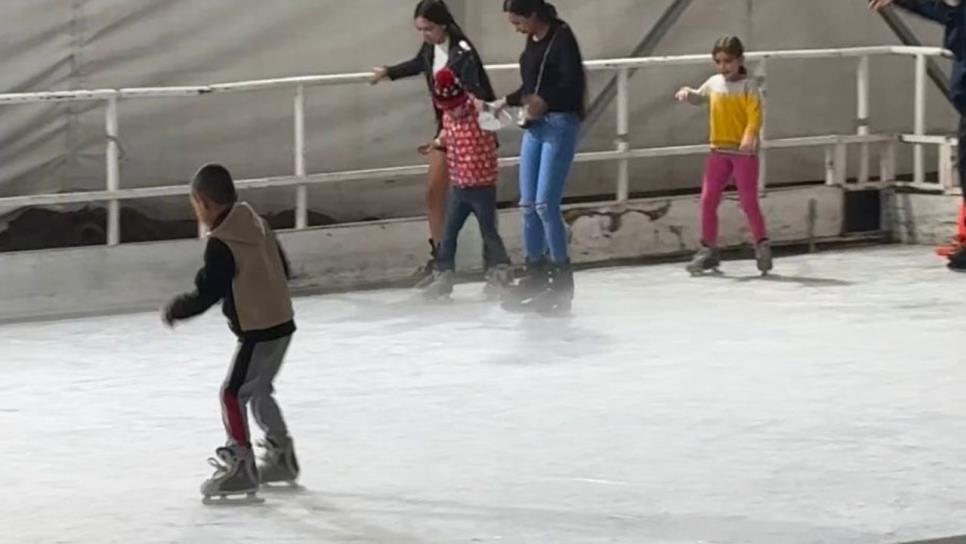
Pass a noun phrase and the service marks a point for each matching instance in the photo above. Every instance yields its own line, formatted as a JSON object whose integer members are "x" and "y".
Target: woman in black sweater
{"x": 445, "y": 46}
{"x": 553, "y": 97}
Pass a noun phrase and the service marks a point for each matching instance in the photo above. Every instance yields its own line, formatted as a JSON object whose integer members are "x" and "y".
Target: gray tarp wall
{"x": 75, "y": 44}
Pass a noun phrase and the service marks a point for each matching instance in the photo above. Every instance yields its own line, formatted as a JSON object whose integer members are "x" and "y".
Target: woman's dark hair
{"x": 732, "y": 46}
{"x": 525, "y": 8}
{"x": 437, "y": 12}
{"x": 546, "y": 12}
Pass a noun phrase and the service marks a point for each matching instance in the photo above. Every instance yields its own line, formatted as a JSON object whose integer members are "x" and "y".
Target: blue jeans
{"x": 546, "y": 156}
{"x": 460, "y": 203}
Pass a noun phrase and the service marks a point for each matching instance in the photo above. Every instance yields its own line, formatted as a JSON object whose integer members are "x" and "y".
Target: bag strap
{"x": 543, "y": 63}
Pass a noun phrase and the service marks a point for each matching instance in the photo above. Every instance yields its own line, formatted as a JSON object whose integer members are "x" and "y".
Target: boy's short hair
{"x": 213, "y": 182}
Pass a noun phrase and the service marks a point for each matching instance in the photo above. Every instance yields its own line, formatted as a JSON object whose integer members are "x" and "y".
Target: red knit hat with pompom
{"x": 447, "y": 90}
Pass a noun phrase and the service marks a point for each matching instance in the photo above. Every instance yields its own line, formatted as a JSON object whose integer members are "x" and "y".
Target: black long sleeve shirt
{"x": 464, "y": 61}
{"x": 563, "y": 87}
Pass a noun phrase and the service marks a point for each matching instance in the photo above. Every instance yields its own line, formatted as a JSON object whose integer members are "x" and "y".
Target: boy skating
{"x": 246, "y": 269}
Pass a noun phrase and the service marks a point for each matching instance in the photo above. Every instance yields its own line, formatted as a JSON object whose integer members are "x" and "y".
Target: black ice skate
{"x": 957, "y": 260}
{"x": 519, "y": 297}
{"x": 764, "y": 258}
{"x": 558, "y": 298}
{"x": 424, "y": 276}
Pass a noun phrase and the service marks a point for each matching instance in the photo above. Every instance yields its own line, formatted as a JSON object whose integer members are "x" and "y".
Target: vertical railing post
{"x": 946, "y": 167}
{"x": 862, "y": 121}
{"x": 841, "y": 163}
{"x": 113, "y": 173}
{"x": 623, "y": 127}
{"x": 762, "y": 78}
{"x": 919, "y": 162}
{"x": 830, "y": 166}
{"x": 887, "y": 162}
{"x": 302, "y": 192}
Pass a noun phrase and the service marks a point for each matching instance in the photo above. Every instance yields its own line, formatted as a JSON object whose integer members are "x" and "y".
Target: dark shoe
{"x": 957, "y": 260}
{"x": 424, "y": 276}
{"x": 558, "y": 298}
{"x": 535, "y": 280}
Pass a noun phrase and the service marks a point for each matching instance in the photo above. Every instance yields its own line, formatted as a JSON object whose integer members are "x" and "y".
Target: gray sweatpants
{"x": 250, "y": 381}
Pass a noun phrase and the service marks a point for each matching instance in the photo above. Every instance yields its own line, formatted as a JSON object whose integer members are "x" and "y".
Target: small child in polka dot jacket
{"x": 471, "y": 156}
{"x": 471, "y": 152}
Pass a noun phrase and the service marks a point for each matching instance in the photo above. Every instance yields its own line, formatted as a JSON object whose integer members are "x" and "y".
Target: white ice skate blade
{"x": 556, "y": 313}
{"x": 282, "y": 488}
{"x": 233, "y": 499}
{"x": 432, "y": 301}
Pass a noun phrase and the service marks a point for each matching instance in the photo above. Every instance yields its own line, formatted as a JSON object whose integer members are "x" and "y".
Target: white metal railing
{"x": 836, "y": 146}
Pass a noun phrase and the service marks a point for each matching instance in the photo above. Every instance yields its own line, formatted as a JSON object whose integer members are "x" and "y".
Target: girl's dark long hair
{"x": 437, "y": 12}
{"x": 525, "y": 8}
{"x": 732, "y": 46}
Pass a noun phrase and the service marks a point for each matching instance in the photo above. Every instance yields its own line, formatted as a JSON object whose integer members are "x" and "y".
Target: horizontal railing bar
{"x": 362, "y": 77}
{"x": 381, "y": 174}
{"x": 928, "y": 139}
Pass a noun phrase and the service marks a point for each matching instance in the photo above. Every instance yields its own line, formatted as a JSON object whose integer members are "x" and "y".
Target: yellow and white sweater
{"x": 735, "y": 110}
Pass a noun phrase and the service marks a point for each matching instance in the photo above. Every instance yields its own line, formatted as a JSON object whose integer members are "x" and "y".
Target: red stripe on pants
{"x": 234, "y": 419}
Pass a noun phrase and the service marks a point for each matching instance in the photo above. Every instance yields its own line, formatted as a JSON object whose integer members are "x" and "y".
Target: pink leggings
{"x": 719, "y": 170}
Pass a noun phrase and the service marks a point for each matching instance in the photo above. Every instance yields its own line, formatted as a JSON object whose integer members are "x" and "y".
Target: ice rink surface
{"x": 824, "y": 405}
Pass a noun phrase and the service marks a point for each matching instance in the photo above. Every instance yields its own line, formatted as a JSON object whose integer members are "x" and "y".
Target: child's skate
{"x": 707, "y": 258}
{"x": 498, "y": 280}
{"x": 235, "y": 475}
{"x": 763, "y": 256}
{"x": 441, "y": 287}
{"x": 278, "y": 463}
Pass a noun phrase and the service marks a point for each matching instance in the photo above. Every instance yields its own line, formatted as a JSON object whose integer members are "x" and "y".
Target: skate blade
{"x": 515, "y": 307}
{"x": 233, "y": 499}
{"x": 420, "y": 298}
{"x": 423, "y": 284}
{"x": 705, "y": 272}
{"x": 282, "y": 488}
{"x": 493, "y": 296}
{"x": 559, "y": 312}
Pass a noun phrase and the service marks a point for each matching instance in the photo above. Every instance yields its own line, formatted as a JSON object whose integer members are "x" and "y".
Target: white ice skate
{"x": 442, "y": 286}
{"x": 707, "y": 258}
{"x": 235, "y": 481}
{"x": 498, "y": 280}
{"x": 279, "y": 464}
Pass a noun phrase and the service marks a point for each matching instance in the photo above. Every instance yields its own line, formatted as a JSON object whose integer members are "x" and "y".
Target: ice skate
{"x": 957, "y": 260}
{"x": 441, "y": 286}
{"x": 764, "y": 258}
{"x": 279, "y": 464}
{"x": 558, "y": 298}
{"x": 235, "y": 480}
{"x": 498, "y": 280}
{"x": 707, "y": 258}
{"x": 424, "y": 276}
{"x": 518, "y": 298}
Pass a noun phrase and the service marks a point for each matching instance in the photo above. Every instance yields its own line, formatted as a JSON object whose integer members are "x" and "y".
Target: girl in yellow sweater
{"x": 735, "y": 122}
